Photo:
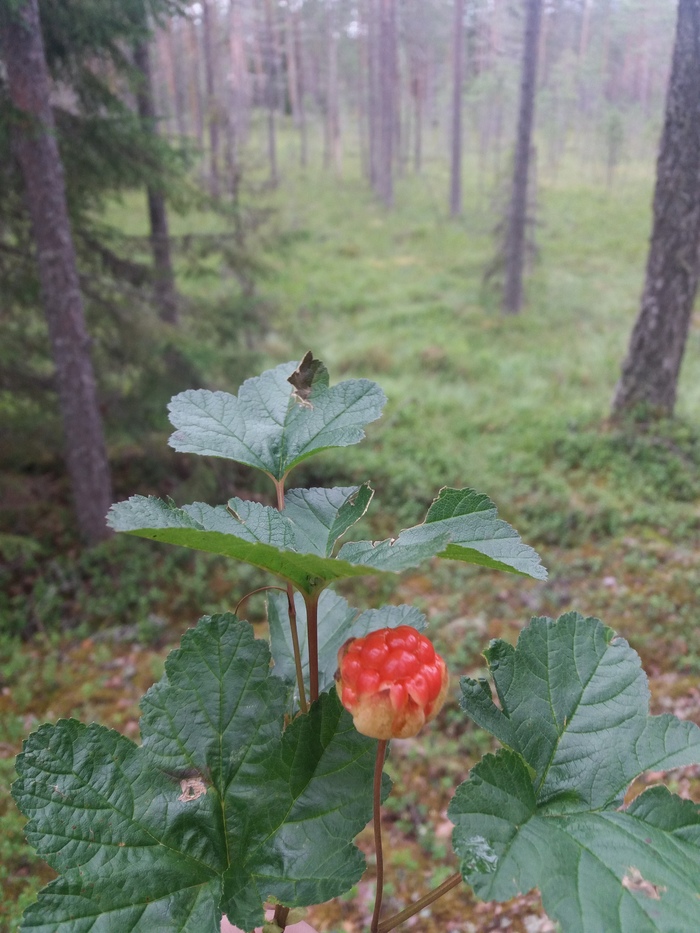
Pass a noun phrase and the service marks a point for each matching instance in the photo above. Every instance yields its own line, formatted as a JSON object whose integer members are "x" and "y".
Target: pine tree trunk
{"x": 387, "y": 100}
{"x": 271, "y": 91}
{"x": 332, "y": 151}
{"x": 34, "y": 145}
{"x": 373, "y": 97}
{"x": 239, "y": 96}
{"x": 457, "y": 80}
{"x": 196, "y": 103}
{"x": 164, "y": 279}
{"x": 517, "y": 220}
{"x": 208, "y": 30}
{"x": 174, "y": 58}
{"x": 301, "y": 92}
{"x": 650, "y": 371}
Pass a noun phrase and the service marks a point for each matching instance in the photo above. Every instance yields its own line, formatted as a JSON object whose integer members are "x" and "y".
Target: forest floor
{"x": 516, "y": 408}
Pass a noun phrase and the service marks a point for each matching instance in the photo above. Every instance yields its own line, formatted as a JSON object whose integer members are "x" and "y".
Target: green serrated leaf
{"x": 296, "y": 544}
{"x": 128, "y": 848}
{"x": 587, "y": 692}
{"x": 574, "y": 713}
{"x": 217, "y": 799}
{"x": 271, "y": 424}
{"x": 255, "y": 533}
{"x": 461, "y": 524}
{"x": 629, "y": 871}
{"x": 337, "y": 621}
{"x": 315, "y": 802}
{"x": 321, "y": 516}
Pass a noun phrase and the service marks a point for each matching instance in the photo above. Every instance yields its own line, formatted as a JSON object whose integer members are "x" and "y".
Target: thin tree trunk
{"x": 208, "y": 29}
{"x": 271, "y": 92}
{"x": 301, "y": 92}
{"x": 292, "y": 69}
{"x": 173, "y": 55}
{"x": 374, "y": 95}
{"x": 332, "y": 155}
{"x": 515, "y": 238}
{"x": 650, "y": 371}
{"x": 362, "y": 86}
{"x": 196, "y": 103}
{"x": 457, "y": 81}
{"x": 166, "y": 56}
{"x": 164, "y": 279}
{"x": 240, "y": 98}
{"x": 387, "y": 97}
{"x": 34, "y": 145}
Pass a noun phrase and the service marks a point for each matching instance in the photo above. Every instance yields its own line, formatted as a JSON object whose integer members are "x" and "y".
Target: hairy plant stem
{"x": 312, "y": 637}
{"x": 377, "y": 796}
{"x": 279, "y": 487}
{"x": 391, "y": 922}
{"x": 281, "y": 914}
{"x": 260, "y": 589}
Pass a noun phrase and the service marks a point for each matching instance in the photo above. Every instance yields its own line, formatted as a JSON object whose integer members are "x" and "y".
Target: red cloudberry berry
{"x": 392, "y": 681}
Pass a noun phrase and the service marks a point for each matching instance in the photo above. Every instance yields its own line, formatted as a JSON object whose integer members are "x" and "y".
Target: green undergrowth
{"x": 141, "y": 592}
{"x": 518, "y": 405}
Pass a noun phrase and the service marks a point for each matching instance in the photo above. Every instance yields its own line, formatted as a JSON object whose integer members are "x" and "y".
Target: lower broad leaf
{"x": 219, "y": 796}
{"x": 619, "y": 871}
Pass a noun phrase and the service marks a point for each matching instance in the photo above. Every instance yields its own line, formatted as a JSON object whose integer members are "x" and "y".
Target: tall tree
{"x": 457, "y": 82}
{"x": 295, "y": 79}
{"x": 195, "y": 85}
{"x": 387, "y": 94}
{"x": 332, "y": 150}
{"x": 33, "y": 135}
{"x": 270, "y": 46}
{"x": 650, "y": 371}
{"x": 517, "y": 219}
{"x": 210, "y": 59}
{"x": 164, "y": 279}
{"x": 239, "y": 85}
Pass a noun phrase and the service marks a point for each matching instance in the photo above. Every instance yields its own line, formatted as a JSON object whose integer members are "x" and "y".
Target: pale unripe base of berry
{"x": 376, "y": 717}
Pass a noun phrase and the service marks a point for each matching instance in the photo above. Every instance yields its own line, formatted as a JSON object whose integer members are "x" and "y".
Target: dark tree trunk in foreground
{"x": 165, "y": 293}
{"x": 35, "y": 147}
{"x": 457, "y": 80}
{"x": 650, "y": 372}
{"x": 517, "y": 220}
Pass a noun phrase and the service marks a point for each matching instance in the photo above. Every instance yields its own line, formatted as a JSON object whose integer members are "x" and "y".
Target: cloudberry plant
{"x": 251, "y": 781}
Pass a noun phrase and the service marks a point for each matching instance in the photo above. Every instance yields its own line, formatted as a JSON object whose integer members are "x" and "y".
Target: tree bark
{"x": 650, "y": 371}
{"x": 373, "y": 97}
{"x": 271, "y": 91}
{"x": 196, "y": 103}
{"x": 208, "y": 28}
{"x": 457, "y": 81}
{"x": 33, "y": 135}
{"x": 332, "y": 150}
{"x": 164, "y": 279}
{"x": 517, "y": 220}
{"x": 301, "y": 89}
{"x": 239, "y": 87}
{"x": 387, "y": 100}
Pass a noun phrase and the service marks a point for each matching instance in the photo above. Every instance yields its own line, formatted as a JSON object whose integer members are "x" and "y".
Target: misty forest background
{"x": 248, "y": 179}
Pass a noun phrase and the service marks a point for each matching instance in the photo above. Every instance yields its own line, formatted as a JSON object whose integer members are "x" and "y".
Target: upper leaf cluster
{"x": 277, "y": 421}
